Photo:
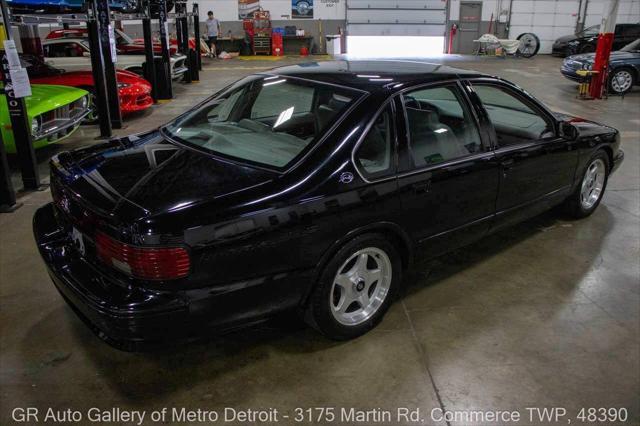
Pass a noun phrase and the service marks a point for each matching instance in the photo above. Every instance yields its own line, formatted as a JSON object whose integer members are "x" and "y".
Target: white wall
{"x": 227, "y": 10}
{"x": 628, "y": 12}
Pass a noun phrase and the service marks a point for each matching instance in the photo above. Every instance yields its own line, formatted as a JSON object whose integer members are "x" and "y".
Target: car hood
{"x": 614, "y": 56}
{"x": 46, "y": 97}
{"x": 145, "y": 175}
{"x": 565, "y": 39}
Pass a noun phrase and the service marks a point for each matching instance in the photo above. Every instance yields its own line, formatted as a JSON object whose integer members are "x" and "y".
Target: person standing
{"x": 213, "y": 30}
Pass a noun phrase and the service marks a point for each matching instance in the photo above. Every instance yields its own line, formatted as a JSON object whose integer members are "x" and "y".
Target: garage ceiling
{"x": 396, "y": 18}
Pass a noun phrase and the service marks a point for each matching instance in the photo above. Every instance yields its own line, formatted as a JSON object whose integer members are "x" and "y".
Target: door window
{"x": 514, "y": 119}
{"x": 374, "y": 156}
{"x": 63, "y": 50}
{"x": 440, "y": 125}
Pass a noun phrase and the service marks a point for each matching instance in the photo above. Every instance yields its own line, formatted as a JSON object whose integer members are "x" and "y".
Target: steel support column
{"x": 100, "y": 101}
{"x": 20, "y": 125}
{"x": 196, "y": 34}
{"x": 149, "y": 67}
{"x": 105, "y": 31}
{"x": 165, "y": 84}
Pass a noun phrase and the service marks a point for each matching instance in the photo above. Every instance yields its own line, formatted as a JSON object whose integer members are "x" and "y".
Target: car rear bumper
{"x": 130, "y": 317}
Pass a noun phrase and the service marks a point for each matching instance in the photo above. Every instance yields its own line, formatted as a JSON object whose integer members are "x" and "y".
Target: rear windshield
{"x": 269, "y": 121}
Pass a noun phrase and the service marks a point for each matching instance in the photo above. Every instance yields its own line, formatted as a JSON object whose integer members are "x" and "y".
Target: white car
{"x": 73, "y": 54}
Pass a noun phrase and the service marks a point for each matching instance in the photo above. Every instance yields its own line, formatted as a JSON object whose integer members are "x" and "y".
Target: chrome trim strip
{"x": 56, "y": 129}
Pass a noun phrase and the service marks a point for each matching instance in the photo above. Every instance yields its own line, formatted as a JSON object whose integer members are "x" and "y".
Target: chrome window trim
{"x": 365, "y": 132}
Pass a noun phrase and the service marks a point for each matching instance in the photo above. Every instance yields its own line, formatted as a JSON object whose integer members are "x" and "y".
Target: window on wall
{"x": 440, "y": 126}
{"x": 514, "y": 120}
{"x": 374, "y": 156}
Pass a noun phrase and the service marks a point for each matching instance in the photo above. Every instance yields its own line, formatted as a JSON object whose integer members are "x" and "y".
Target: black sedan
{"x": 311, "y": 187}
{"x": 624, "y": 67}
{"x": 586, "y": 40}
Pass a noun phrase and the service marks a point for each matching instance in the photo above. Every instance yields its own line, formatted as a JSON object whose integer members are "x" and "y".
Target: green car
{"x": 54, "y": 113}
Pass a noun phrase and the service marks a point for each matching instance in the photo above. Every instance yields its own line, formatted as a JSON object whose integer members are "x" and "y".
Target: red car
{"x": 125, "y": 45}
{"x": 133, "y": 90}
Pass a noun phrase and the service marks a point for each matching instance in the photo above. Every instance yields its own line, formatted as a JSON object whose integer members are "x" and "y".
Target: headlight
{"x": 123, "y": 85}
{"x": 588, "y": 66}
{"x": 35, "y": 126}
{"x": 84, "y": 102}
{"x": 574, "y": 43}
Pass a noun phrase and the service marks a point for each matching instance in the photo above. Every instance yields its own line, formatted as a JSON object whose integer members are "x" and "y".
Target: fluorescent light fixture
{"x": 367, "y": 76}
{"x": 272, "y": 77}
{"x": 394, "y": 46}
{"x": 380, "y": 79}
{"x": 440, "y": 130}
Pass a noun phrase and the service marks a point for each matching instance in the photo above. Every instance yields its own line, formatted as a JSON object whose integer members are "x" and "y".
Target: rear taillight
{"x": 148, "y": 263}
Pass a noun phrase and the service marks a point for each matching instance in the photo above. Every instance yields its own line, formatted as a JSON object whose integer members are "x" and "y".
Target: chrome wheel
{"x": 621, "y": 81}
{"x": 360, "y": 286}
{"x": 592, "y": 184}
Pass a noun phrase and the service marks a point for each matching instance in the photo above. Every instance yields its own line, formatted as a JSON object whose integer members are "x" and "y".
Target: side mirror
{"x": 568, "y": 131}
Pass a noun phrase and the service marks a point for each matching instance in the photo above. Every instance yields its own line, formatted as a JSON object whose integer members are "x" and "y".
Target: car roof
{"x": 372, "y": 75}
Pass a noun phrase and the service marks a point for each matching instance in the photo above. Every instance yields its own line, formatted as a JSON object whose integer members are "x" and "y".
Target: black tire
{"x": 614, "y": 74}
{"x": 573, "y": 205}
{"x": 319, "y": 308}
{"x": 536, "y": 45}
{"x": 588, "y": 48}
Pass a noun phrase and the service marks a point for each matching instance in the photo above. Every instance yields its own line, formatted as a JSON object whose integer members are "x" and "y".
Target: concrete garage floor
{"x": 545, "y": 314}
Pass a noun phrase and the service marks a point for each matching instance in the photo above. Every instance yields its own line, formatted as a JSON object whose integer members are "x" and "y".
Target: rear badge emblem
{"x": 346, "y": 177}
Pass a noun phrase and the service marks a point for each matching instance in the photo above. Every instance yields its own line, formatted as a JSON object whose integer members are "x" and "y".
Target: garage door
{"x": 396, "y": 18}
{"x": 546, "y": 19}
{"x": 628, "y": 12}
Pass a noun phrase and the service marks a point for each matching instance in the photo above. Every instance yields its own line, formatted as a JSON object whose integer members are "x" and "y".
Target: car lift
{"x": 98, "y": 20}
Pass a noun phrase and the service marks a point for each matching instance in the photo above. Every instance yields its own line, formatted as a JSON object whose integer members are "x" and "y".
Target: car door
{"x": 447, "y": 181}
{"x": 67, "y": 55}
{"x": 537, "y": 166}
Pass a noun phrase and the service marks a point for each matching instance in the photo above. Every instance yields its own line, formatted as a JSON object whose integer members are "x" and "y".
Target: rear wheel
{"x": 355, "y": 288}
{"x": 587, "y": 196}
{"x": 621, "y": 81}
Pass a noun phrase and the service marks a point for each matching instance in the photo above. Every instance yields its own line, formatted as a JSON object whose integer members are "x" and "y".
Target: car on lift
{"x": 134, "y": 91}
{"x": 586, "y": 40}
{"x": 308, "y": 187}
{"x": 54, "y": 112}
{"x": 73, "y": 54}
{"x": 125, "y": 45}
{"x": 624, "y": 67}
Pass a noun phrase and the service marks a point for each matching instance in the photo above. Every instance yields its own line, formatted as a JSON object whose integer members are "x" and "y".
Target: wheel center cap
{"x": 360, "y": 285}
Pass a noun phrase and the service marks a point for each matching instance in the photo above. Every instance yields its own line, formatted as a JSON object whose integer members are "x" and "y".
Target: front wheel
{"x": 356, "y": 288}
{"x": 621, "y": 81}
{"x": 587, "y": 196}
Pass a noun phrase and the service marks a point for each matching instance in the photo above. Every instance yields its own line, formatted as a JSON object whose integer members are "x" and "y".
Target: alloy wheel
{"x": 621, "y": 81}
{"x": 592, "y": 184}
{"x": 360, "y": 286}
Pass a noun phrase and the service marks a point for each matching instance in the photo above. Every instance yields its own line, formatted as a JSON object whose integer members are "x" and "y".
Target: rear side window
{"x": 63, "y": 50}
{"x": 514, "y": 119}
{"x": 374, "y": 156}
